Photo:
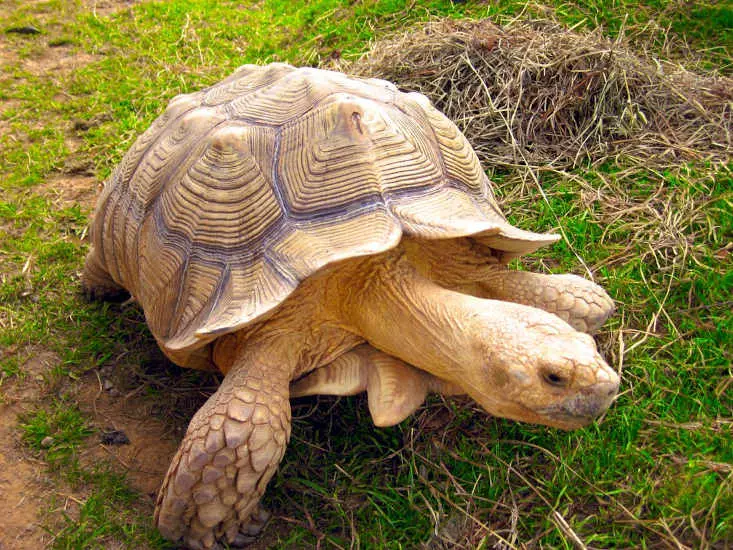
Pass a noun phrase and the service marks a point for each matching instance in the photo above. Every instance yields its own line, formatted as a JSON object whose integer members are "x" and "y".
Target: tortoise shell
{"x": 240, "y": 191}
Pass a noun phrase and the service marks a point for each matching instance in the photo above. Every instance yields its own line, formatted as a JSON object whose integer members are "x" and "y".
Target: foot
{"x": 232, "y": 448}
{"x": 97, "y": 284}
{"x": 581, "y": 303}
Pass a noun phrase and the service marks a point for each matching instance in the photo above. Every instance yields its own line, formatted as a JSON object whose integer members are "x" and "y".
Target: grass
{"x": 655, "y": 473}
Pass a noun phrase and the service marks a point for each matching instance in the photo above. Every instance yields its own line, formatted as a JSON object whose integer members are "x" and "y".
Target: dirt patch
{"x": 27, "y": 490}
{"x": 152, "y": 441}
{"x": 24, "y": 490}
{"x": 104, "y": 8}
{"x": 58, "y": 61}
{"x": 67, "y": 190}
{"x": 24, "y": 487}
{"x": 46, "y": 59}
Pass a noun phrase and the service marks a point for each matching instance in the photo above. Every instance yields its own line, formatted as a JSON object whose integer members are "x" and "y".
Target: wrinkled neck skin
{"x": 451, "y": 335}
{"x": 516, "y": 361}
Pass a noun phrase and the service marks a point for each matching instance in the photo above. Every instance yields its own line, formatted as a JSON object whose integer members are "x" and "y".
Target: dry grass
{"x": 541, "y": 94}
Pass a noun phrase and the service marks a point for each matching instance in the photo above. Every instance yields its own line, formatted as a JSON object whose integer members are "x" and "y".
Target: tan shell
{"x": 239, "y": 192}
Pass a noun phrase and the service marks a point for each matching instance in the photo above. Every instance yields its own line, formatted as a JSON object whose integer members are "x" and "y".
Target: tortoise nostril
{"x": 554, "y": 379}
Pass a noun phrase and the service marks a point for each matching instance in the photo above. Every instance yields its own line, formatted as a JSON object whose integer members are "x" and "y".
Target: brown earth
{"x": 24, "y": 485}
{"x": 152, "y": 441}
{"x": 103, "y": 8}
{"x": 31, "y": 498}
{"x": 66, "y": 191}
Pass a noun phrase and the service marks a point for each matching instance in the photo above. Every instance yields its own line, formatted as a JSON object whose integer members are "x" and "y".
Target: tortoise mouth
{"x": 583, "y": 407}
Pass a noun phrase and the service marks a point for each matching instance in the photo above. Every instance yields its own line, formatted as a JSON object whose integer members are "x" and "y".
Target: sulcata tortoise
{"x": 305, "y": 232}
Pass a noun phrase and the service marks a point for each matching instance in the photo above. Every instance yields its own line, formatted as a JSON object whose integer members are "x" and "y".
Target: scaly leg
{"x": 469, "y": 266}
{"x": 581, "y": 303}
{"x": 97, "y": 284}
{"x": 232, "y": 448}
{"x": 394, "y": 388}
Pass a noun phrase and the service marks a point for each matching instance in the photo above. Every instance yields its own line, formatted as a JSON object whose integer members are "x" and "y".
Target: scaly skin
{"x": 97, "y": 284}
{"x": 231, "y": 449}
{"x": 468, "y": 265}
{"x": 581, "y": 303}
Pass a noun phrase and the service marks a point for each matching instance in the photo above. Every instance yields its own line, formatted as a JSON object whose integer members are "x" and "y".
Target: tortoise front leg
{"x": 231, "y": 449}
{"x": 581, "y": 303}
{"x": 469, "y": 266}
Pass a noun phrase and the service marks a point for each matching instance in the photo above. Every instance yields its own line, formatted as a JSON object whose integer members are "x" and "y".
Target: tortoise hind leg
{"x": 231, "y": 449}
{"x": 394, "y": 388}
{"x": 97, "y": 284}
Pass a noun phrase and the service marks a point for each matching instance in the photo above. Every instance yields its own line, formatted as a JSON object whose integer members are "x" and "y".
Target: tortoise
{"x": 305, "y": 232}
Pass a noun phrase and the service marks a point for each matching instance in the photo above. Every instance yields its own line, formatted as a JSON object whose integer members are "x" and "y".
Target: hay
{"x": 539, "y": 94}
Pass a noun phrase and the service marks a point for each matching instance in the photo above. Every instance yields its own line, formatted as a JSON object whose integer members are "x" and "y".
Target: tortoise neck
{"x": 402, "y": 313}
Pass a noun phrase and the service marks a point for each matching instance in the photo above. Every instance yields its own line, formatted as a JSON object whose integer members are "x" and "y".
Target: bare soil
{"x": 24, "y": 486}
{"x": 66, "y": 191}
{"x": 152, "y": 441}
{"x": 33, "y": 500}
{"x": 103, "y": 8}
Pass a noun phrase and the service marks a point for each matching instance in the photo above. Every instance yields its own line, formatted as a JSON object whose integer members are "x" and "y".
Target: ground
{"x": 77, "y": 380}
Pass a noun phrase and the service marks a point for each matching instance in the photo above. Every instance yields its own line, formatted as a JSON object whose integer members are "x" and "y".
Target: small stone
{"x": 114, "y": 437}
{"x": 47, "y": 441}
{"x": 25, "y": 29}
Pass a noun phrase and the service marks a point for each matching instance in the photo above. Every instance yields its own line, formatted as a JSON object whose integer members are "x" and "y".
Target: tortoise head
{"x": 534, "y": 367}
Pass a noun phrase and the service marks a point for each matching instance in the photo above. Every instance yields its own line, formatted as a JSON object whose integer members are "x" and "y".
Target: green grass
{"x": 56, "y": 432}
{"x": 656, "y": 471}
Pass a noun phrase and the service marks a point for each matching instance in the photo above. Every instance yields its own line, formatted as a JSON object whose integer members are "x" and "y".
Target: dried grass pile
{"x": 539, "y": 94}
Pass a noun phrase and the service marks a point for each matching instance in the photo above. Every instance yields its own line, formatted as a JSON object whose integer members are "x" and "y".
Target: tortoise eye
{"x": 554, "y": 379}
